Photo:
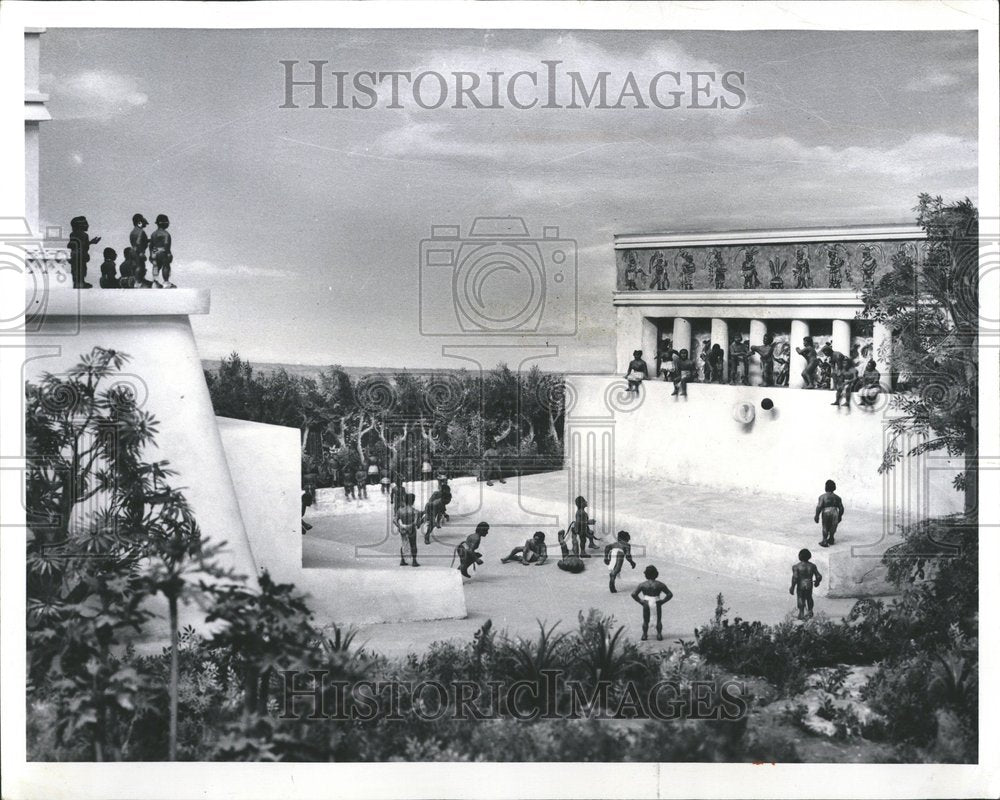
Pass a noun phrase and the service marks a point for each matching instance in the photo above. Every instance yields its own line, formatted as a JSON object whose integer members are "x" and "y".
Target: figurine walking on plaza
{"x": 637, "y": 372}
{"x": 766, "y": 353}
{"x": 467, "y": 552}
{"x": 407, "y": 521}
{"x": 79, "y": 251}
{"x": 829, "y": 512}
{"x": 804, "y": 577}
{"x": 781, "y": 359}
{"x": 161, "y": 253}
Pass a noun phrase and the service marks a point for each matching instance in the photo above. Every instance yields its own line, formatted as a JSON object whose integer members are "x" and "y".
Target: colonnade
{"x": 798, "y": 330}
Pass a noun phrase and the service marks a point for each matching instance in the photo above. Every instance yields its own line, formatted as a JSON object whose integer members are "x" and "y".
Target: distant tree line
{"x": 401, "y": 420}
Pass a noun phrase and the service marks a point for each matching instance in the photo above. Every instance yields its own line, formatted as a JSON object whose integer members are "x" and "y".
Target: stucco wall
{"x": 789, "y": 451}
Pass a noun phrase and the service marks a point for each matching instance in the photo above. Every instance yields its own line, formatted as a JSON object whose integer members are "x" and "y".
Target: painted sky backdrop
{"x": 306, "y": 223}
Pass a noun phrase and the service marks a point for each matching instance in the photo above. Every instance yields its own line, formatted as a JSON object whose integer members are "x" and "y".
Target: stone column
{"x": 800, "y": 329}
{"x": 720, "y": 336}
{"x": 682, "y": 334}
{"x": 882, "y": 353}
{"x": 757, "y": 330}
{"x": 841, "y": 339}
{"x": 648, "y": 344}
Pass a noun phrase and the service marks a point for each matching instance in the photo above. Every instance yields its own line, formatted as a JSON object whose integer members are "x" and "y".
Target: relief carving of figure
{"x": 717, "y": 268}
{"x": 869, "y": 264}
{"x": 659, "y": 279}
{"x": 800, "y": 270}
{"x": 632, "y": 271}
{"x": 686, "y": 269}
{"x": 835, "y": 267}
{"x": 749, "y": 269}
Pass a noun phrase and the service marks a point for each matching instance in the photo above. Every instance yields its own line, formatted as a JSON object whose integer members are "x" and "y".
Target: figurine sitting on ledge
{"x": 108, "y": 278}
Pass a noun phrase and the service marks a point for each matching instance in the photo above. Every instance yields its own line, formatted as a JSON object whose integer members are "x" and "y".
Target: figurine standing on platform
{"x": 706, "y": 360}
{"x": 739, "y": 358}
{"x": 108, "y": 278}
{"x": 161, "y": 253}
{"x": 808, "y": 352}
{"x": 139, "y": 241}
{"x": 781, "y": 359}
{"x": 659, "y": 279}
{"x": 717, "y": 360}
{"x": 79, "y": 251}
{"x": 766, "y": 353}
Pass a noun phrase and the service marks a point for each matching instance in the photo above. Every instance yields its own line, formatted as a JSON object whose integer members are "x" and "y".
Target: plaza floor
{"x": 516, "y": 597}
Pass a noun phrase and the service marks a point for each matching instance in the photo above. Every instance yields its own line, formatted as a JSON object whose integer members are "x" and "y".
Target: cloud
{"x": 930, "y": 81}
{"x": 95, "y": 94}
{"x": 200, "y": 267}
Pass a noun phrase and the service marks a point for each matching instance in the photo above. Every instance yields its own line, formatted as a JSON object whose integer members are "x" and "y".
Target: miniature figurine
{"x": 108, "y": 278}
{"x": 685, "y": 374}
{"x": 533, "y": 551}
{"x": 615, "y": 556}
{"x": 632, "y": 271}
{"x": 829, "y": 509}
{"x": 808, "y": 352}
{"x": 79, "y": 251}
{"x": 160, "y": 252}
{"x": 467, "y": 552}
{"x": 649, "y": 593}
{"x": 717, "y": 268}
{"x": 766, "y": 354}
{"x": 804, "y": 577}
{"x": 637, "y": 372}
